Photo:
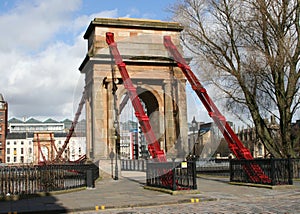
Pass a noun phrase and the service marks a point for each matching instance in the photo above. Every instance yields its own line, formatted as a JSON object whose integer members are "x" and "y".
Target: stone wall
{"x": 140, "y": 43}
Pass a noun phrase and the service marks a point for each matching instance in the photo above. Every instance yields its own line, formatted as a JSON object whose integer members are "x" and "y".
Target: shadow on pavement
{"x": 32, "y": 204}
{"x": 211, "y": 178}
{"x": 135, "y": 180}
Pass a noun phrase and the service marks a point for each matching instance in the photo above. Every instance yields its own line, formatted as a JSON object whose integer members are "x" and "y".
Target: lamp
{"x": 194, "y": 125}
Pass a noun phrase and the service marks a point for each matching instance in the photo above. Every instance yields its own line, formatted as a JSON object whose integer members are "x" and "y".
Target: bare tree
{"x": 250, "y": 49}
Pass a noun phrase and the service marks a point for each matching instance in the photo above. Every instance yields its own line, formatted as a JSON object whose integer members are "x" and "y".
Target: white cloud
{"x": 41, "y": 49}
{"x": 39, "y": 67}
{"x": 83, "y": 21}
{"x": 31, "y": 24}
{"x": 40, "y": 84}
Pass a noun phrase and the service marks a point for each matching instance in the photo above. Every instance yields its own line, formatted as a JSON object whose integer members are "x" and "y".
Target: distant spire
{"x": 1, "y": 98}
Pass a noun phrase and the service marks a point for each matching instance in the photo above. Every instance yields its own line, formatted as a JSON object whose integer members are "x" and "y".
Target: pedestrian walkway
{"x": 128, "y": 191}
{"x": 125, "y": 192}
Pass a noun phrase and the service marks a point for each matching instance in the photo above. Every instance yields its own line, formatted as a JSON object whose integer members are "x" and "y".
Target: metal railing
{"x": 134, "y": 165}
{"x": 27, "y": 179}
{"x": 172, "y": 175}
{"x": 220, "y": 167}
{"x": 279, "y": 171}
{"x": 296, "y": 168}
{"x": 214, "y": 170}
{"x": 213, "y": 166}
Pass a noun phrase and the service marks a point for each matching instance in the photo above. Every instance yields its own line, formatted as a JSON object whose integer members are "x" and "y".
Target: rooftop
{"x": 23, "y": 135}
{"x": 131, "y": 23}
{"x": 33, "y": 120}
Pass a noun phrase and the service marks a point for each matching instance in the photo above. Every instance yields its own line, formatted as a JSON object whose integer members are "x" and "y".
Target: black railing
{"x": 213, "y": 166}
{"x": 27, "y": 180}
{"x": 212, "y": 161}
{"x": 279, "y": 171}
{"x": 134, "y": 165}
{"x": 296, "y": 168}
{"x": 172, "y": 175}
{"x": 214, "y": 170}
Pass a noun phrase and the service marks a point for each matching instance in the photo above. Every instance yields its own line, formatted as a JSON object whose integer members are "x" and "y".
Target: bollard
{"x": 89, "y": 179}
{"x": 290, "y": 170}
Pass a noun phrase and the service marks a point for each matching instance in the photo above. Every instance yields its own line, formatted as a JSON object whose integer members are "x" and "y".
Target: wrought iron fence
{"x": 26, "y": 180}
{"x": 214, "y": 170}
{"x": 296, "y": 168}
{"x": 213, "y": 166}
{"x": 279, "y": 171}
{"x": 134, "y": 165}
{"x": 172, "y": 175}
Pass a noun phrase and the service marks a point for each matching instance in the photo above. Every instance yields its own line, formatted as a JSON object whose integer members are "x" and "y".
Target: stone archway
{"x": 152, "y": 110}
{"x": 153, "y": 73}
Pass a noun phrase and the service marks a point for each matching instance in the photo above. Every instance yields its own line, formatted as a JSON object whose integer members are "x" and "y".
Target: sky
{"x": 42, "y": 47}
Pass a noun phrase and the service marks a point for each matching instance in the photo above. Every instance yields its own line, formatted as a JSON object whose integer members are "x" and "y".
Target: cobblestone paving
{"x": 228, "y": 199}
{"x": 266, "y": 206}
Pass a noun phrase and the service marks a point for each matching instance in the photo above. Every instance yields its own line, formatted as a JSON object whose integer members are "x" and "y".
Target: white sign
{"x": 184, "y": 165}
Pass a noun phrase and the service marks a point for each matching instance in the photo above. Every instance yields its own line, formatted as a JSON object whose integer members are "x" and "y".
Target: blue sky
{"x": 155, "y": 9}
{"x": 42, "y": 47}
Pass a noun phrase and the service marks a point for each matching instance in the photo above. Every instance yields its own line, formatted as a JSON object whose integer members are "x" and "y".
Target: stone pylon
{"x": 160, "y": 84}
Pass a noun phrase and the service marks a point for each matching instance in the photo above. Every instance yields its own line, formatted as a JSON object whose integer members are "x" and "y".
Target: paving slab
{"x": 129, "y": 192}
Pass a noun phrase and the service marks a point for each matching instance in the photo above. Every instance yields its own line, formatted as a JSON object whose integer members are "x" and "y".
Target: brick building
{"x": 3, "y": 127}
{"x": 251, "y": 140}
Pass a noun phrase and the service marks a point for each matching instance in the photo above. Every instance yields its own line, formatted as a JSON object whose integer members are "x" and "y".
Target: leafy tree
{"x": 250, "y": 50}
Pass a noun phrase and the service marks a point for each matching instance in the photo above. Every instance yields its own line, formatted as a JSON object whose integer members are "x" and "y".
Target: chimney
{"x": 273, "y": 121}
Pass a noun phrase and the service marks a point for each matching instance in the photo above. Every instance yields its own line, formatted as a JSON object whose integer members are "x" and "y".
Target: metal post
{"x": 231, "y": 169}
{"x": 111, "y": 156}
{"x": 173, "y": 175}
{"x": 116, "y": 123}
{"x": 194, "y": 174}
{"x": 272, "y": 170}
{"x": 116, "y": 151}
{"x": 147, "y": 174}
{"x": 173, "y": 179}
{"x": 116, "y": 165}
{"x": 194, "y": 141}
{"x": 194, "y": 124}
{"x": 133, "y": 167}
{"x": 290, "y": 170}
{"x": 89, "y": 178}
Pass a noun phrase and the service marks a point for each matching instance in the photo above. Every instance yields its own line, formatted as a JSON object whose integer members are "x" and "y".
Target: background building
{"x": 33, "y": 125}
{"x": 296, "y": 136}
{"x": 206, "y": 141}
{"x": 251, "y": 140}
{"x": 32, "y": 141}
{"x": 19, "y": 148}
{"x": 3, "y": 127}
{"x": 132, "y": 141}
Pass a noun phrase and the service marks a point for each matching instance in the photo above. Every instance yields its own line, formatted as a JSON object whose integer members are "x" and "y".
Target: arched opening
{"x": 133, "y": 144}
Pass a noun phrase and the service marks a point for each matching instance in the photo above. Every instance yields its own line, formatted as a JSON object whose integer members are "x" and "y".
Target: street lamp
{"x": 116, "y": 126}
{"x": 116, "y": 123}
{"x": 194, "y": 125}
{"x": 111, "y": 156}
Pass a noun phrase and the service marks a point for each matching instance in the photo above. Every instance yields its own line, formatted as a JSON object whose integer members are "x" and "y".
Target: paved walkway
{"x": 128, "y": 191}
